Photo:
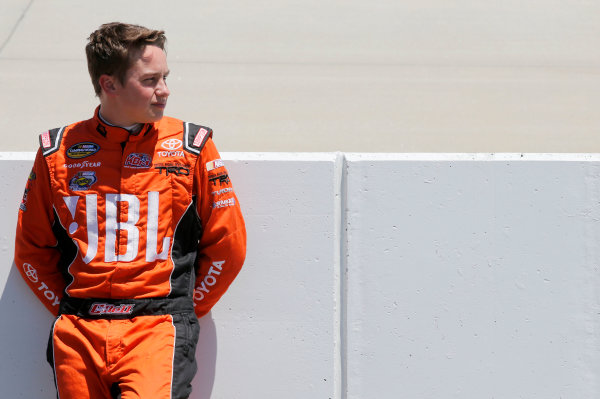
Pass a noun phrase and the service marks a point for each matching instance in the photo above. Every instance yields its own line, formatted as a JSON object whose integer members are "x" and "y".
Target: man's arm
{"x": 36, "y": 254}
{"x": 222, "y": 247}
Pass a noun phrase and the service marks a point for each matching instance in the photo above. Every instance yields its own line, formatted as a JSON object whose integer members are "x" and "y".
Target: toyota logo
{"x": 30, "y": 272}
{"x": 171, "y": 144}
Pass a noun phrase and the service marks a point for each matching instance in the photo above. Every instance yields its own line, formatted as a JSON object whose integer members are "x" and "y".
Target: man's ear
{"x": 108, "y": 84}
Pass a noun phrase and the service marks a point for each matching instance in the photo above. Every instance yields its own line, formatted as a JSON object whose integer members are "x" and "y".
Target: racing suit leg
{"x": 75, "y": 353}
{"x": 138, "y": 358}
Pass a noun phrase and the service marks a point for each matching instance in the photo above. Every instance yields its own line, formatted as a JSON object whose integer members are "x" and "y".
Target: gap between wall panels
{"x": 341, "y": 268}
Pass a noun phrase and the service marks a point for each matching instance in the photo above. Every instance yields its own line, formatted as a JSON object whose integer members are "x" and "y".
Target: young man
{"x": 128, "y": 231}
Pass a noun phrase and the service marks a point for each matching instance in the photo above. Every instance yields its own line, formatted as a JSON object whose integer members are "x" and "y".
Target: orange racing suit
{"x": 127, "y": 238}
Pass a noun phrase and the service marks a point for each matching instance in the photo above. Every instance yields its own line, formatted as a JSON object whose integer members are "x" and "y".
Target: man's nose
{"x": 162, "y": 89}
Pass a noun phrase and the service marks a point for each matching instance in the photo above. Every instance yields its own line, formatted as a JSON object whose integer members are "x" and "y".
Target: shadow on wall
{"x": 25, "y": 328}
{"x": 206, "y": 355}
{"x": 24, "y": 371}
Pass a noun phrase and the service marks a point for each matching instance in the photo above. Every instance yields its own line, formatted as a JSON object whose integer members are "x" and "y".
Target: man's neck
{"x": 134, "y": 128}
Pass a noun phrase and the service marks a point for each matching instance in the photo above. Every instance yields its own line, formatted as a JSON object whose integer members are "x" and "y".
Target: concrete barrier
{"x": 381, "y": 275}
{"x": 473, "y": 276}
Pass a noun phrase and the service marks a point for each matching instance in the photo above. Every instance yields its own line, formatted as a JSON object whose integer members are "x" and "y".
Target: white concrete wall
{"x": 381, "y": 276}
{"x": 473, "y": 276}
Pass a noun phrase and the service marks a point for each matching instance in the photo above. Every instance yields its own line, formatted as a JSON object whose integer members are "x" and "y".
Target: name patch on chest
{"x": 107, "y": 308}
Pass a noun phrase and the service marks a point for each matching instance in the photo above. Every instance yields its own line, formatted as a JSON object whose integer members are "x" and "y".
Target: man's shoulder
{"x": 179, "y": 123}
{"x": 51, "y": 139}
{"x": 193, "y": 136}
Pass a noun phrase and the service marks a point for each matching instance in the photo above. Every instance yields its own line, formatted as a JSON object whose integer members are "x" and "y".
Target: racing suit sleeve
{"x": 222, "y": 247}
{"x": 36, "y": 252}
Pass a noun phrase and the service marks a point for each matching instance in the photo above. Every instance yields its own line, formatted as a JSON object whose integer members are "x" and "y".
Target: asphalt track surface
{"x": 313, "y": 76}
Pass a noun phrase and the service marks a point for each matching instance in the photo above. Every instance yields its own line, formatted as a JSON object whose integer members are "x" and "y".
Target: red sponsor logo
{"x": 200, "y": 136}
{"x": 107, "y": 308}
{"x": 46, "y": 140}
{"x": 138, "y": 160}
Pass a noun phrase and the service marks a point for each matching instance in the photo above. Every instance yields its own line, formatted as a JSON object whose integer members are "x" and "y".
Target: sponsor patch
{"x": 82, "y": 150}
{"x": 108, "y": 308}
{"x": 84, "y": 164}
{"x": 23, "y": 205}
{"x": 171, "y": 144}
{"x": 32, "y": 275}
{"x": 82, "y": 181}
{"x": 223, "y": 203}
{"x": 32, "y": 177}
{"x": 179, "y": 170}
{"x": 165, "y": 154}
{"x": 216, "y": 164}
{"x": 200, "y": 136}
{"x": 30, "y": 272}
{"x": 161, "y": 164}
{"x": 223, "y": 191}
{"x": 218, "y": 178}
{"x": 46, "y": 139}
{"x": 138, "y": 161}
{"x": 209, "y": 280}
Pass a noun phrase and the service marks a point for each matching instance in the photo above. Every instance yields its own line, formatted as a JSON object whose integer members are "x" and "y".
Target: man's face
{"x": 142, "y": 97}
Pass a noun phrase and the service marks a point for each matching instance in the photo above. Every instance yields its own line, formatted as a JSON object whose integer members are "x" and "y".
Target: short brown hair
{"x": 110, "y": 49}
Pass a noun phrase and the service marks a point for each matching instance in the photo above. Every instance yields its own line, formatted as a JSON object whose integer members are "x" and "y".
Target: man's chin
{"x": 154, "y": 117}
